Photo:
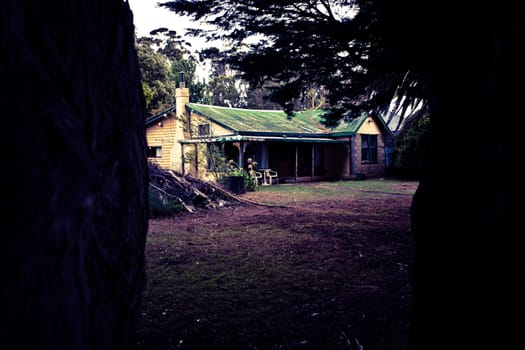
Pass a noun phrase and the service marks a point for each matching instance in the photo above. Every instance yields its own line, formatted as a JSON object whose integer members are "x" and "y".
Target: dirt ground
{"x": 324, "y": 269}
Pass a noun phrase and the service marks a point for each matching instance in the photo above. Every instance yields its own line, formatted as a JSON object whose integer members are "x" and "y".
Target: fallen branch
{"x": 186, "y": 206}
{"x": 192, "y": 192}
{"x": 244, "y": 200}
{"x": 178, "y": 199}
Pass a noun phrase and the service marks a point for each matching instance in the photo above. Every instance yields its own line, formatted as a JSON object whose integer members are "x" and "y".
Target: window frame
{"x": 204, "y": 129}
{"x": 369, "y": 148}
{"x": 154, "y": 152}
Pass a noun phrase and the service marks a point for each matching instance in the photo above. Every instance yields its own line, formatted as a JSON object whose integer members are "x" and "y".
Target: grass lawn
{"x": 322, "y": 266}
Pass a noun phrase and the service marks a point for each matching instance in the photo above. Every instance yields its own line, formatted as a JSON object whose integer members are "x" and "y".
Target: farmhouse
{"x": 193, "y": 138}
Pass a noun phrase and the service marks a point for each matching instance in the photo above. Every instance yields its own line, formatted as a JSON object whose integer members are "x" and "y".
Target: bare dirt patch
{"x": 324, "y": 267}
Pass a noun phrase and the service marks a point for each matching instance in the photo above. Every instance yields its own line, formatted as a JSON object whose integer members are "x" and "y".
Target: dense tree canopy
{"x": 162, "y": 56}
{"x": 410, "y": 149}
{"x": 158, "y": 86}
{"x": 358, "y": 51}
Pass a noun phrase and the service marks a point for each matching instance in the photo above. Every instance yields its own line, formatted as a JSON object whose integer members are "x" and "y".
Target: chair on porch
{"x": 256, "y": 176}
{"x": 271, "y": 175}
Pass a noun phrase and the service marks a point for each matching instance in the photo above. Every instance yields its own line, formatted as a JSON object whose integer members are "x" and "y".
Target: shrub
{"x": 410, "y": 149}
{"x": 160, "y": 205}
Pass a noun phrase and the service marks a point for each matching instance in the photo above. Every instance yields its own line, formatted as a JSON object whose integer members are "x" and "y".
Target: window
{"x": 154, "y": 151}
{"x": 204, "y": 129}
{"x": 369, "y": 148}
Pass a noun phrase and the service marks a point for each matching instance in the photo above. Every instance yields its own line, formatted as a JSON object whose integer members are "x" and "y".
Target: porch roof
{"x": 284, "y": 138}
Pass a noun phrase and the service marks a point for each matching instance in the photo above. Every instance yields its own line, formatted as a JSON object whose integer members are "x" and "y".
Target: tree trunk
{"x": 75, "y": 217}
{"x": 468, "y": 215}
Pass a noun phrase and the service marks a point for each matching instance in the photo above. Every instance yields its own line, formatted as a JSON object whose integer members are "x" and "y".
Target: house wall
{"x": 197, "y": 155}
{"x": 337, "y": 161}
{"x": 196, "y": 161}
{"x": 202, "y": 161}
{"x": 215, "y": 129}
{"x": 369, "y": 127}
{"x": 191, "y": 159}
{"x": 370, "y": 170}
{"x": 163, "y": 136}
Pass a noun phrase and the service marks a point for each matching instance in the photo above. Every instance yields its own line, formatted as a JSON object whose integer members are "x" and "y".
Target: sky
{"x": 147, "y": 17}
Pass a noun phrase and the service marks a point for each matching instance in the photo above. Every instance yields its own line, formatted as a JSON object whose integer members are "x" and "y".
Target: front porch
{"x": 294, "y": 159}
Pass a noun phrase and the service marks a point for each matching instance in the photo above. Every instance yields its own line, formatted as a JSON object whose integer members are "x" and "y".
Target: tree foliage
{"x": 163, "y": 56}
{"x": 223, "y": 85}
{"x": 358, "y": 51}
{"x": 158, "y": 86}
{"x": 410, "y": 149}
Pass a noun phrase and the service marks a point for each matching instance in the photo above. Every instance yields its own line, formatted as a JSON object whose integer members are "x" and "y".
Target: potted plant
{"x": 239, "y": 180}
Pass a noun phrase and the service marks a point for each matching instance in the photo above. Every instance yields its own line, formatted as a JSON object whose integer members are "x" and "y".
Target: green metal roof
{"x": 348, "y": 127}
{"x": 296, "y": 139}
{"x": 253, "y": 121}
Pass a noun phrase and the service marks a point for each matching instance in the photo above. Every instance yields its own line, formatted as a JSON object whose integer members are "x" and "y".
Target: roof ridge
{"x": 237, "y": 108}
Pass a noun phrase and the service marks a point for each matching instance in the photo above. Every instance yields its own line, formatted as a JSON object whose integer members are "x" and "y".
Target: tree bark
{"x": 468, "y": 216}
{"x": 75, "y": 173}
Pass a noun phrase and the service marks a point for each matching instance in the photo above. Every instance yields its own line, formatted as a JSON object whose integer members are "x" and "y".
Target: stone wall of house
{"x": 369, "y": 170}
{"x": 214, "y": 129}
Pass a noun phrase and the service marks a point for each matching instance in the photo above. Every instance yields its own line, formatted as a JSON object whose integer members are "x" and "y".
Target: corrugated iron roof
{"x": 256, "y": 121}
{"x": 273, "y": 123}
{"x": 229, "y": 138}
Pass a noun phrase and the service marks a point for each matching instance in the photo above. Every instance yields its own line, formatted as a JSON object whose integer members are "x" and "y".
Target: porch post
{"x": 350, "y": 156}
{"x": 182, "y": 159}
{"x": 242, "y": 147}
{"x": 313, "y": 162}
{"x": 296, "y": 161}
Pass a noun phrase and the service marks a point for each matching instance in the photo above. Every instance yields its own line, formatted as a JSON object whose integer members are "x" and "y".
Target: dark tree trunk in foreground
{"x": 74, "y": 175}
{"x": 469, "y": 212}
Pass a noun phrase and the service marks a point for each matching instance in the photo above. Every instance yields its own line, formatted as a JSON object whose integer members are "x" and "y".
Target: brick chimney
{"x": 182, "y": 97}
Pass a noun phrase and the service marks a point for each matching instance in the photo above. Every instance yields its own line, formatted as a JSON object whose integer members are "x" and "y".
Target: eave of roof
{"x": 151, "y": 120}
{"x": 236, "y": 138}
{"x": 350, "y": 128}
